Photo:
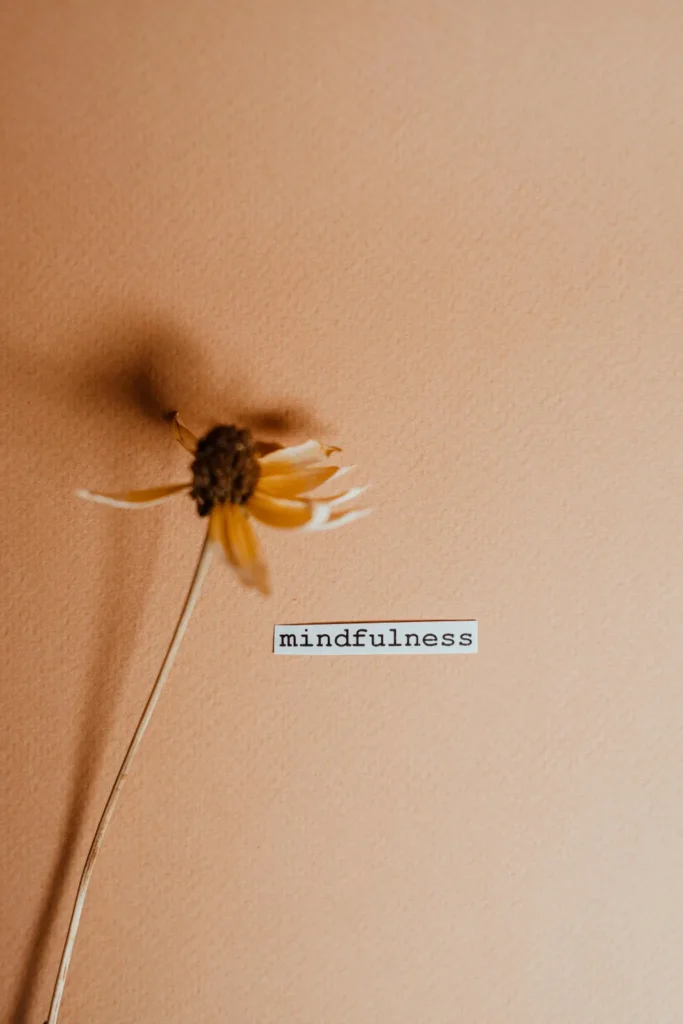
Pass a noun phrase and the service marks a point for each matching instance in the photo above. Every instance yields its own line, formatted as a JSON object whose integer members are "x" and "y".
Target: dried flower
{"x": 235, "y": 478}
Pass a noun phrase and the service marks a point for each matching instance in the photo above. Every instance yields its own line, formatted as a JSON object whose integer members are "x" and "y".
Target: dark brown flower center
{"x": 225, "y": 469}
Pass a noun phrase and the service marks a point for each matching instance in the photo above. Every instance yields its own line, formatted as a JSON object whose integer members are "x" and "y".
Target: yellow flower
{"x": 235, "y": 477}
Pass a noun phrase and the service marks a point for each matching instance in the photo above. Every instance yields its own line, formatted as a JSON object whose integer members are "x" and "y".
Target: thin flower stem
{"x": 152, "y": 700}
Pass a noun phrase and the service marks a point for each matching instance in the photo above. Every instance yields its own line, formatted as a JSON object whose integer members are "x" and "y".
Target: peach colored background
{"x": 449, "y": 234}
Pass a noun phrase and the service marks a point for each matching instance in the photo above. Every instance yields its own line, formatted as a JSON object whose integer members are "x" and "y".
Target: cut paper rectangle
{"x": 441, "y": 636}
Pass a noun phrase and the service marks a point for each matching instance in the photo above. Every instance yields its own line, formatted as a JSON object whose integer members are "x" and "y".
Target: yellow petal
{"x": 287, "y": 513}
{"x": 289, "y": 485}
{"x": 184, "y": 436}
{"x": 217, "y": 529}
{"x": 135, "y": 499}
{"x": 285, "y": 460}
{"x": 230, "y": 525}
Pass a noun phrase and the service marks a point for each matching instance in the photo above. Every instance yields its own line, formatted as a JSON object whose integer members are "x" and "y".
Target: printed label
{"x": 457, "y": 636}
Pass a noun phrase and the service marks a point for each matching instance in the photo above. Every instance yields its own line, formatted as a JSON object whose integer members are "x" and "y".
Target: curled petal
{"x": 135, "y": 499}
{"x": 337, "y": 502}
{"x": 229, "y": 525}
{"x": 343, "y": 519}
{"x": 287, "y": 513}
{"x": 286, "y": 460}
{"x": 299, "y": 481}
{"x": 183, "y": 435}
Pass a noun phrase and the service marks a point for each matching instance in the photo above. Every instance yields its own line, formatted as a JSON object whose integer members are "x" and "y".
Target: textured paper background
{"x": 451, "y": 233}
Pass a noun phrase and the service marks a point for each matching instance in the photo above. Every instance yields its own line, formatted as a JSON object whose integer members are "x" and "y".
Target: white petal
{"x": 343, "y": 519}
{"x": 320, "y": 513}
{"x": 339, "y": 500}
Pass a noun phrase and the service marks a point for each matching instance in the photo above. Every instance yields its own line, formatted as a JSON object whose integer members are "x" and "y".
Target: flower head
{"x": 235, "y": 478}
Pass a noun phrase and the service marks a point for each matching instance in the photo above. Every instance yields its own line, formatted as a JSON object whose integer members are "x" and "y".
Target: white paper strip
{"x": 457, "y": 636}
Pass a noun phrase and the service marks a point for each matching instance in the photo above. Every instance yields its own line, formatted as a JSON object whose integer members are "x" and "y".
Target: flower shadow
{"x": 127, "y": 375}
{"x": 161, "y": 372}
{"x": 61, "y": 394}
{"x": 124, "y": 377}
{"x": 113, "y": 646}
